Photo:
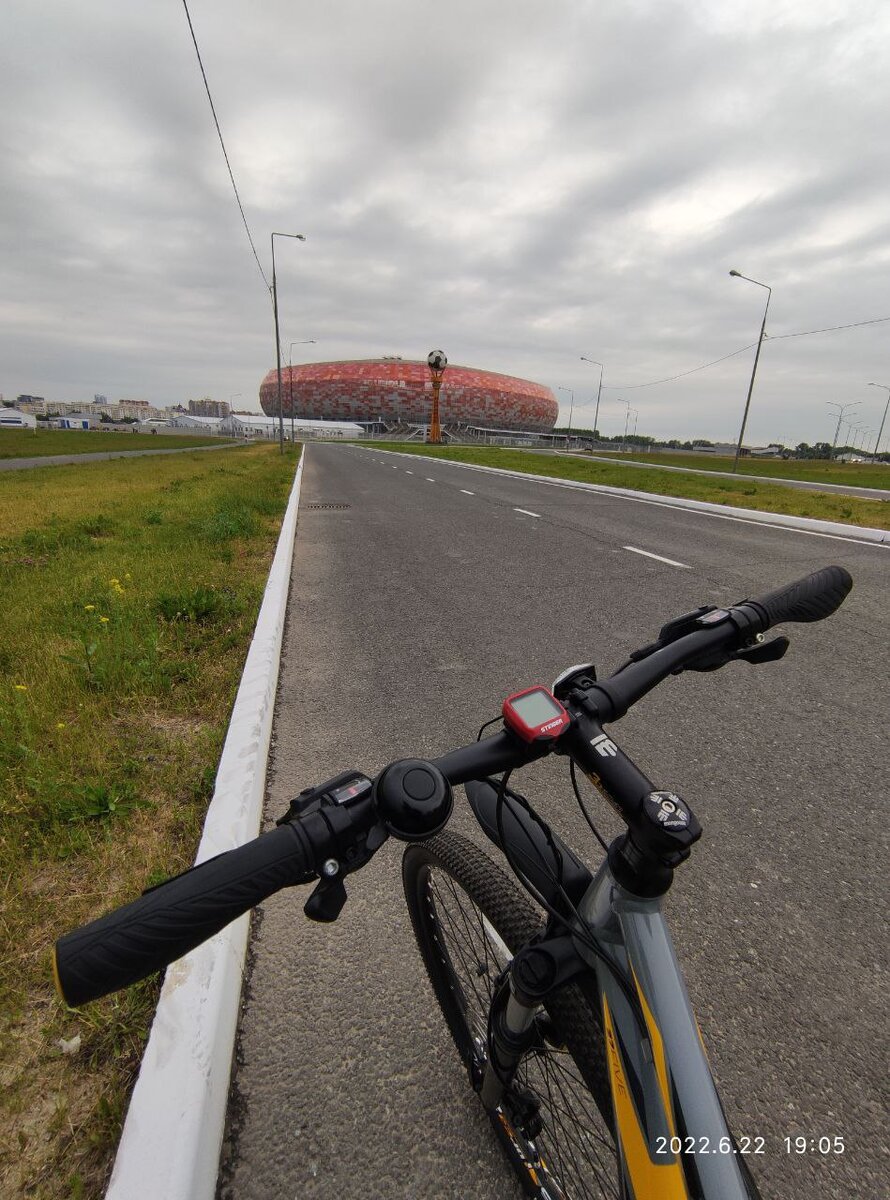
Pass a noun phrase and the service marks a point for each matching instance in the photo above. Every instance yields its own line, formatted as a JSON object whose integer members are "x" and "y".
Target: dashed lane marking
{"x": 660, "y": 557}
{"x": 527, "y": 512}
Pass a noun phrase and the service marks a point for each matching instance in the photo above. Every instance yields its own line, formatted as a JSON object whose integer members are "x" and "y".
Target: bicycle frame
{"x": 662, "y": 1087}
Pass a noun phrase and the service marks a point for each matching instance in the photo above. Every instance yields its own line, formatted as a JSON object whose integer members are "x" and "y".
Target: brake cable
{"x": 579, "y": 930}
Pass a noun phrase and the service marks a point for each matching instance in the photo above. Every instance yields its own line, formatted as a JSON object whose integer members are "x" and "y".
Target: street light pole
{"x": 300, "y": 237}
{"x": 884, "y": 418}
{"x": 769, "y": 290}
{"x": 598, "y": 392}
{"x": 571, "y": 392}
{"x": 290, "y": 379}
{"x": 841, "y": 409}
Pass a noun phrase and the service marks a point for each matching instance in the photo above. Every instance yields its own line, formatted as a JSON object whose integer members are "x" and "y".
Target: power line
{"x": 222, "y": 143}
{"x": 828, "y": 329}
{"x": 630, "y": 387}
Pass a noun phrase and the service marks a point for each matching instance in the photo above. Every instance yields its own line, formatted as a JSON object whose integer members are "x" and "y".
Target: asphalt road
{"x": 413, "y": 612}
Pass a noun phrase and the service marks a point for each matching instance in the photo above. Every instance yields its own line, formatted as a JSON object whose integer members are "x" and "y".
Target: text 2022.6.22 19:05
{"x": 747, "y": 1145}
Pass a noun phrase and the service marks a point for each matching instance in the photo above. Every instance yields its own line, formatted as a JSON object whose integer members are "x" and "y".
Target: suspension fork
{"x": 536, "y": 971}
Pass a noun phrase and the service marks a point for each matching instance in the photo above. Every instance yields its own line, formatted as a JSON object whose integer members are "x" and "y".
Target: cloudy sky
{"x": 517, "y": 182}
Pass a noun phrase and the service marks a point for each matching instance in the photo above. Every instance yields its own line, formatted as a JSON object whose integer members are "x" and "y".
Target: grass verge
{"x": 739, "y": 492}
{"x": 22, "y": 443}
{"x": 810, "y": 470}
{"x": 130, "y": 591}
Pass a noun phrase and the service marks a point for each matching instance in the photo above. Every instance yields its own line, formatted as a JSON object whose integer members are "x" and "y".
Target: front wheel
{"x": 469, "y": 919}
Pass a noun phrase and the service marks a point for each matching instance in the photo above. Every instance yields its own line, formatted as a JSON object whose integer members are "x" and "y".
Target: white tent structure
{"x": 11, "y": 418}
{"x": 190, "y": 421}
{"x": 259, "y": 425}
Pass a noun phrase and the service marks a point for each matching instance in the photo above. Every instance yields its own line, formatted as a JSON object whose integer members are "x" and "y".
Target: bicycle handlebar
{"x": 166, "y": 922}
{"x": 171, "y": 919}
{"x": 809, "y": 599}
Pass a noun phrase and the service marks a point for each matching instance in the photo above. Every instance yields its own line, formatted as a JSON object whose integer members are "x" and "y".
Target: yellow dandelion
{"x": 60, "y": 724}
{"x": 104, "y": 620}
{"x": 21, "y": 687}
{"x": 89, "y": 607}
{"x": 128, "y": 575}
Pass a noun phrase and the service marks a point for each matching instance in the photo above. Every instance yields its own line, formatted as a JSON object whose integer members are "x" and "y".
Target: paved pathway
{"x": 422, "y": 593}
{"x": 64, "y": 460}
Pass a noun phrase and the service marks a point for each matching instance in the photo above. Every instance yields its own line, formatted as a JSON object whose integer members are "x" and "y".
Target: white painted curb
{"x": 751, "y": 515}
{"x": 169, "y": 1149}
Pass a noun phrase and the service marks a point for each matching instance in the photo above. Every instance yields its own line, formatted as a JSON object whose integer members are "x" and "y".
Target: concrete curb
{"x": 750, "y": 515}
{"x": 174, "y": 1128}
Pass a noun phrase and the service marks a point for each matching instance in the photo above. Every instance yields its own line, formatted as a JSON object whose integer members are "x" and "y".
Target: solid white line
{"x": 671, "y": 562}
{"x": 466, "y": 493}
{"x": 526, "y": 511}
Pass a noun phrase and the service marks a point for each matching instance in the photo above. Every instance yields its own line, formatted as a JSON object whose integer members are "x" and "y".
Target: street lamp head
{"x": 736, "y": 273}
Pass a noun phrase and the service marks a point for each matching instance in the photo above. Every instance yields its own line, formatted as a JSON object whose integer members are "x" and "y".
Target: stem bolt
{"x": 330, "y": 868}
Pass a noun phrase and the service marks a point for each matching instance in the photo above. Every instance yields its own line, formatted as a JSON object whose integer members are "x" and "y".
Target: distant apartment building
{"x": 140, "y": 409}
{"x": 208, "y": 408}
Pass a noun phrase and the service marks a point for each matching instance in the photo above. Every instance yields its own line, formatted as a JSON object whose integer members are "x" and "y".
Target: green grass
{"x": 811, "y": 470}
{"x": 129, "y": 590}
{"x": 25, "y": 443}
{"x": 740, "y": 492}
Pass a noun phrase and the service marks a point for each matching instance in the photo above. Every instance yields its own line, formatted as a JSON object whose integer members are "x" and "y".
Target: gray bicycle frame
{"x": 683, "y": 1103}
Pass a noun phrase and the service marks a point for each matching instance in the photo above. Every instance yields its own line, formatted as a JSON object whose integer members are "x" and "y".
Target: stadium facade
{"x": 400, "y": 391}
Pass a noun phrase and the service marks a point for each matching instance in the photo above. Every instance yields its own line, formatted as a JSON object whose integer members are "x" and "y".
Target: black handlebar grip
{"x": 173, "y": 918}
{"x": 810, "y": 599}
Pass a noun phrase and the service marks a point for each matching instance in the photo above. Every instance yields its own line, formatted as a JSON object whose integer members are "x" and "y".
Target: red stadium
{"x": 400, "y": 391}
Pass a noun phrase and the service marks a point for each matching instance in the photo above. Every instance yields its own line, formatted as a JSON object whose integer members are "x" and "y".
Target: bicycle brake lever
{"x": 760, "y": 652}
{"x": 327, "y": 900}
{"x": 765, "y": 651}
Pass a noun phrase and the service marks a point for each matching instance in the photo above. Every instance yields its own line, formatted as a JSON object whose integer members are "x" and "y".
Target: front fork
{"x": 536, "y": 971}
{"x": 511, "y": 1031}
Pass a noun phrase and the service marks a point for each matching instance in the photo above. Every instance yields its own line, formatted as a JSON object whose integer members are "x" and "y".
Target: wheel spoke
{"x": 574, "y": 1153}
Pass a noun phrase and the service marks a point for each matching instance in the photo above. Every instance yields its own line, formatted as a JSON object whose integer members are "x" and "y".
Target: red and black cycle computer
{"x": 535, "y": 714}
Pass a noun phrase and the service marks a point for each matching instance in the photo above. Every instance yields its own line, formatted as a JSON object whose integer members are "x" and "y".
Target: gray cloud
{"x": 518, "y": 183}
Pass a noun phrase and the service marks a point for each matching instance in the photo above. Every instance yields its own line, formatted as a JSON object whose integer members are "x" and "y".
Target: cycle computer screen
{"x": 534, "y": 714}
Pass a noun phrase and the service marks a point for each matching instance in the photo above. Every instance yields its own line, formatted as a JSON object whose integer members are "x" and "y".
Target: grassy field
{"x": 740, "y": 492}
{"x": 129, "y": 593}
{"x": 21, "y": 443}
{"x": 811, "y": 470}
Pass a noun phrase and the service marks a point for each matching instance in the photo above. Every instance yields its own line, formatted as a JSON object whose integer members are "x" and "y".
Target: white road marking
{"x": 526, "y": 511}
{"x": 466, "y": 493}
{"x": 657, "y": 501}
{"x": 648, "y": 553}
{"x": 430, "y": 480}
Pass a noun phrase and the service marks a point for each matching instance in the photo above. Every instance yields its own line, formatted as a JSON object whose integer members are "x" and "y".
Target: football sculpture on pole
{"x": 437, "y": 362}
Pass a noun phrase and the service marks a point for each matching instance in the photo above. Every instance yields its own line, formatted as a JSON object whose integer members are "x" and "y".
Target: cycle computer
{"x": 535, "y": 714}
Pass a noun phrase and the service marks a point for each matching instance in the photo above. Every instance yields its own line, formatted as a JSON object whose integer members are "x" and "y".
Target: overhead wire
{"x": 223, "y": 145}
{"x": 629, "y": 387}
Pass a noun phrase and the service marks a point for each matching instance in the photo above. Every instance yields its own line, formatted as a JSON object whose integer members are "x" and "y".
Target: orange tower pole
{"x": 437, "y": 362}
